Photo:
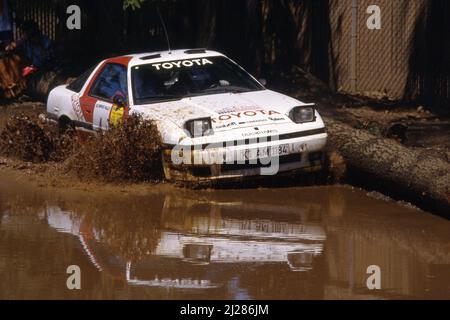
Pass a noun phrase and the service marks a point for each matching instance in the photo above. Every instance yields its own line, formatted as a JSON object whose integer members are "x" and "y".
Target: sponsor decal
{"x": 276, "y": 119}
{"x": 180, "y": 64}
{"x": 101, "y": 115}
{"x": 102, "y": 107}
{"x": 109, "y": 115}
{"x": 245, "y": 114}
{"x": 258, "y": 133}
{"x": 77, "y": 107}
{"x": 228, "y": 125}
{"x": 254, "y": 121}
{"x": 235, "y": 124}
{"x": 116, "y": 115}
{"x": 236, "y": 109}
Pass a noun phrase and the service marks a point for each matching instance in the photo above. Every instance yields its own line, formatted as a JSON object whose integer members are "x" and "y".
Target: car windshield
{"x": 175, "y": 80}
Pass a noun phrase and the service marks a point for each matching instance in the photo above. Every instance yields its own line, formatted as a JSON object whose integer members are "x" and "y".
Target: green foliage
{"x": 133, "y": 4}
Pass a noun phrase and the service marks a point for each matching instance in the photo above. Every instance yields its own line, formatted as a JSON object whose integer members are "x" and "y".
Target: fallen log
{"x": 389, "y": 167}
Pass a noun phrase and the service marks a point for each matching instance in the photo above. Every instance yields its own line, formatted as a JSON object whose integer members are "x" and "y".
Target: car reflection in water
{"x": 205, "y": 245}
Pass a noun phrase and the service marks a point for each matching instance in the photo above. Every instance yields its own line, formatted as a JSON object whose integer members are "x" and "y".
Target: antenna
{"x": 164, "y": 27}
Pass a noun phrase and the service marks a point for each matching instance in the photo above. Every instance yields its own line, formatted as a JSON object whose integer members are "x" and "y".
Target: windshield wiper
{"x": 155, "y": 99}
{"x": 230, "y": 89}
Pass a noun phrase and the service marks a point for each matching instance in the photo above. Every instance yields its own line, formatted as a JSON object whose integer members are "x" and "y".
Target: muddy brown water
{"x": 169, "y": 243}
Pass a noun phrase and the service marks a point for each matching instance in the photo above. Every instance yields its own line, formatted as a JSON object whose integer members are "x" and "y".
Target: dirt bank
{"x": 406, "y": 122}
{"x": 395, "y": 147}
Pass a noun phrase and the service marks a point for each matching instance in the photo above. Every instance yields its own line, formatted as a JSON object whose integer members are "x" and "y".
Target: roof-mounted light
{"x": 150, "y": 57}
{"x": 195, "y": 51}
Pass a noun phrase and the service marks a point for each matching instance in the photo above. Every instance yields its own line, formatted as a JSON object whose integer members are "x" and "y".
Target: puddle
{"x": 292, "y": 243}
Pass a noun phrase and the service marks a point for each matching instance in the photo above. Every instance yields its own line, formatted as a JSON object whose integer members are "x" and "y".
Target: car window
{"x": 173, "y": 80}
{"x": 112, "y": 81}
{"x": 79, "y": 82}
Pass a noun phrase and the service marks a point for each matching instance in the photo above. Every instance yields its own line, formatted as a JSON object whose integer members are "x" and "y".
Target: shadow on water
{"x": 292, "y": 243}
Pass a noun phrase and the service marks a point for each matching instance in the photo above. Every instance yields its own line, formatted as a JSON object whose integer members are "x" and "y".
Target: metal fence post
{"x": 353, "y": 46}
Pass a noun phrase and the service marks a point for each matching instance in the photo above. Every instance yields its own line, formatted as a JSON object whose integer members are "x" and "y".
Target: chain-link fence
{"x": 378, "y": 61}
{"x": 408, "y": 58}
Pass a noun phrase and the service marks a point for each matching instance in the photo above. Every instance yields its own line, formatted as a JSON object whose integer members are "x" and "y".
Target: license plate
{"x": 267, "y": 152}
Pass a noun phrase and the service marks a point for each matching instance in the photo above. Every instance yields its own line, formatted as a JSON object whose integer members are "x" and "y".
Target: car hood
{"x": 227, "y": 111}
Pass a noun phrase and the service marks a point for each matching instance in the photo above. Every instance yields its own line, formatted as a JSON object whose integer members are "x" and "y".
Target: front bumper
{"x": 302, "y": 154}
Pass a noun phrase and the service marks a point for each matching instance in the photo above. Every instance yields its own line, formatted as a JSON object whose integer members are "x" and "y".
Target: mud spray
{"x": 128, "y": 152}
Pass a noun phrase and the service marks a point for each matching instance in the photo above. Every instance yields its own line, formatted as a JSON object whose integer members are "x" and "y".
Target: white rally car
{"x": 216, "y": 121}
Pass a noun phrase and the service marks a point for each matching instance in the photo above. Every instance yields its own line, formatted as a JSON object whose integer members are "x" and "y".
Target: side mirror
{"x": 120, "y": 100}
{"x": 263, "y": 82}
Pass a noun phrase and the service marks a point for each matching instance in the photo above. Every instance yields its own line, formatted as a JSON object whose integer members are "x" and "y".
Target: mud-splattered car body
{"x": 216, "y": 121}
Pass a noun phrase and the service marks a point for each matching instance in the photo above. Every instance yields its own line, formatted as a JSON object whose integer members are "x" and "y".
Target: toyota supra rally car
{"x": 216, "y": 120}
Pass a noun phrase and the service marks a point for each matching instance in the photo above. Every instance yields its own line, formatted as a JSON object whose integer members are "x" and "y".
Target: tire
{"x": 65, "y": 125}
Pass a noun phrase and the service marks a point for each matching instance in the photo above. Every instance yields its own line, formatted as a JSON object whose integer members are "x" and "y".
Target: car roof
{"x": 163, "y": 56}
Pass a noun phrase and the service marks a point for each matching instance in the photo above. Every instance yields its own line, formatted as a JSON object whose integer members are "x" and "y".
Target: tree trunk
{"x": 389, "y": 166}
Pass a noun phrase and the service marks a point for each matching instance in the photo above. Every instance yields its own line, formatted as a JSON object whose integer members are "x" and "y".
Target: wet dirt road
{"x": 292, "y": 243}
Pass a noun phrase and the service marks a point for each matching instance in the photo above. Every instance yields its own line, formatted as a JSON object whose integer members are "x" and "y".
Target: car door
{"x": 97, "y": 101}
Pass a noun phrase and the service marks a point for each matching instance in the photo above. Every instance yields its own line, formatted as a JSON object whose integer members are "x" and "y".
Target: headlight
{"x": 303, "y": 114}
{"x": 199, "y": 127}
